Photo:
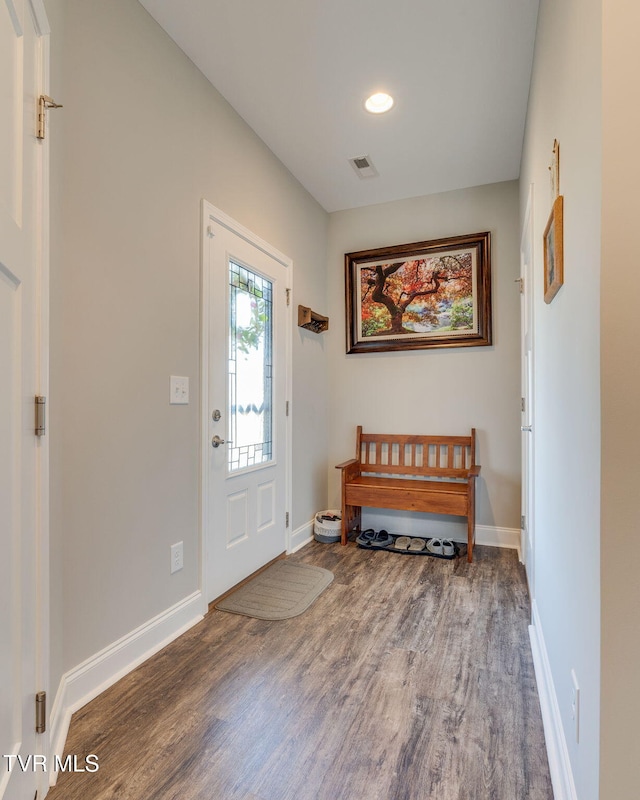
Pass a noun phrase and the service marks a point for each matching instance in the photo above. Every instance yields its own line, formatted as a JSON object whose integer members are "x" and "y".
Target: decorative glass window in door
{"x": 250, "y": 368}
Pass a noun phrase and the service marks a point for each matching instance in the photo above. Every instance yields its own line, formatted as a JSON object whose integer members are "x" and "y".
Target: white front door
{"x": 246, "y": 333}
{"x": 23, "y": 61}
{"x": 527, "y": 415}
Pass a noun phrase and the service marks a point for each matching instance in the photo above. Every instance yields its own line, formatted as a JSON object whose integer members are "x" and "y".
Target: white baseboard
{"x": 416, "y": 524}
{"x": 93, "y": 676}
{"x": 301, "y": 536}
{"x": 498, "y": 537}
{"x": 558, "y": 755}
{"x": 485, "y": 534}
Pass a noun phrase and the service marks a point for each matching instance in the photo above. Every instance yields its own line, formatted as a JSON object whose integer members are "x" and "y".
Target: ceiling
{"x": 298, "y": 72}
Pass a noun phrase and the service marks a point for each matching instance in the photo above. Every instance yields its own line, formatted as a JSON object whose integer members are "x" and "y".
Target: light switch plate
{"x": 178, "y": 390}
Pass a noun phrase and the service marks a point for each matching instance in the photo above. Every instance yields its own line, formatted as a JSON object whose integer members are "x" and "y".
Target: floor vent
{"x": 363, "y": 167}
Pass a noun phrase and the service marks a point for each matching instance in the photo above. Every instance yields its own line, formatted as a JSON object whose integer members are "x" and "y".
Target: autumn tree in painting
{"x": 409, "y": 295}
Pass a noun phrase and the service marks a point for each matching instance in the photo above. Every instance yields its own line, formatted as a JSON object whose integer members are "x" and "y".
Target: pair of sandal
{"x": 441, "y": 547}
{"x": 371, "y": 538}
{"x": 409, "y": 544}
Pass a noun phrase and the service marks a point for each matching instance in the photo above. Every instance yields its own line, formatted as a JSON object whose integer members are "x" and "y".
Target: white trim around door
{"x": 527, "y": 382}
{"x": 211, "y": 217}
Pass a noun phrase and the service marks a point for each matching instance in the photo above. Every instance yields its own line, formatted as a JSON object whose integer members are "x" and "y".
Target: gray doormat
{"x": 283, "y": 590}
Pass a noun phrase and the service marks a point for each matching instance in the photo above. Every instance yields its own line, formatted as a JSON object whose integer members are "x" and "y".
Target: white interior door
{"x": 23, "y": 54}
{"x": 527, "y": 417}
{"x": 247, "y": 333}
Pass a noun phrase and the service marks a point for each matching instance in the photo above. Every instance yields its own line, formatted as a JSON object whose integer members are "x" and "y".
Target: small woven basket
{"x": 327, "y": 530}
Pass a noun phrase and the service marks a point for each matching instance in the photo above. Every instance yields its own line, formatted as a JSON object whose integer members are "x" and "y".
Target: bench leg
{"x": 345, "y": 525}
{"x": 351, "y": 520}
{"x": 471, "y": 520}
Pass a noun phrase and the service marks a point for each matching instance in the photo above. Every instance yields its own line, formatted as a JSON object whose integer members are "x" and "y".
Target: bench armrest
{"x": 350, "y": 469}
{"x": 474, "y": 471}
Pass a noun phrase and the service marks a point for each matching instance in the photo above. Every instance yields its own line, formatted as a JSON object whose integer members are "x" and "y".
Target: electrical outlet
{"x": 177, "y": 557}
{"x": 575, "y": 705}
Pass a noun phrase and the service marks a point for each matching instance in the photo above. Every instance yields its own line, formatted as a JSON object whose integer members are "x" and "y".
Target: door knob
{"x": 525, "y": 428}
{"x": 217, "y": 441}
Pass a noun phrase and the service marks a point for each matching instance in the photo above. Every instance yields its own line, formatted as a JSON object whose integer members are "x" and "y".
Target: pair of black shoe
{"x": 371, "y": 538}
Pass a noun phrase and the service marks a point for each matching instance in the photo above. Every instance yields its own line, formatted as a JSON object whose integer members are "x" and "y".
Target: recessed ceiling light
{"x": 378, "y": 103}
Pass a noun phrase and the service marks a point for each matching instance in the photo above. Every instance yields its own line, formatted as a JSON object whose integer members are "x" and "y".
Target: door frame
{"x": 40, "y": 572}
{"x": 209, "y": 214}
{"x": 43, "y": 577}
{"x": 528, "y": 416}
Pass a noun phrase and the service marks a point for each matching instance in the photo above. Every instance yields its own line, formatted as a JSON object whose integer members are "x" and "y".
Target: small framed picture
{"x": 553, "y": 252}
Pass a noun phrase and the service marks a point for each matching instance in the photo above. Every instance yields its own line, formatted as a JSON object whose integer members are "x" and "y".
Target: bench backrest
{"x": 439, "y": 456}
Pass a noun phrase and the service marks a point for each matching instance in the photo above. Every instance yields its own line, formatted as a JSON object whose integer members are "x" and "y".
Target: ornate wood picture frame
{"x": 553, "y": 247}
{"x": 421, "y": 295}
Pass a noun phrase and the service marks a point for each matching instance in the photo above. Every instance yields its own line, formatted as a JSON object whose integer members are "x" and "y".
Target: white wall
{"x": 565, "y": 104}
{"x": 620, "y": 356}
{"x": 443, "y": 391}
{"x": 143, "y": 138}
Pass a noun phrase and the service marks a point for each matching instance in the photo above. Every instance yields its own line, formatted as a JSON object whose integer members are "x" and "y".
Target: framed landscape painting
{"x": 420, "y": 295}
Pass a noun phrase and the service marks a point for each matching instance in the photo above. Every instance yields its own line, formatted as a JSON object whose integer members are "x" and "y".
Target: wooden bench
{"x": 393, "y": 471}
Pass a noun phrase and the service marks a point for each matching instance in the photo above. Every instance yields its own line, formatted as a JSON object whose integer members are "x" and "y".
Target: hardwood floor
{"x": 410, "y": 678}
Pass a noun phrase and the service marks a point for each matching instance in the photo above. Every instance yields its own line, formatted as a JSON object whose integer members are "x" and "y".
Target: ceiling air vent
{"x": 363, "y": 167}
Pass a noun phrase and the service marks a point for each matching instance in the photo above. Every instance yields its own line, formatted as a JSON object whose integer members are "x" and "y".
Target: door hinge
{"x": 522, "y": 406}
{"x": 41, "y": 712}
{"x": 44, "y": 102}
{"x": 523, "y": 522}
{"x": 41, "y": 423}
{"x": 520, "y": 281}
{"x": 286, "y": 520}
{"x": 287, "y": 408}
{"x": 288, "y": 297}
